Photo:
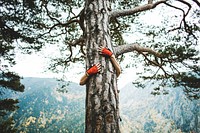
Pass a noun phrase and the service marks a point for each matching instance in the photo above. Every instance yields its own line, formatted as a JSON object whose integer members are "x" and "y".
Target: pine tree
{"x": 173, "y": 60}
{"x": 8, "y": 81}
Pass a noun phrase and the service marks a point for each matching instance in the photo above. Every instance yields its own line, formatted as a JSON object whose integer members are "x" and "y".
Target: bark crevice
{"x": 101, "y": 107}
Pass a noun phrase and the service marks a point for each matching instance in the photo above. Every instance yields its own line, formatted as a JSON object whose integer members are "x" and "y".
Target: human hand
{"x": 105, "y": 52}
{"x": 94, "y": 69}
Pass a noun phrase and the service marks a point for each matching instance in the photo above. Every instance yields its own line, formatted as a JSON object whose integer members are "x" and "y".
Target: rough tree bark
{"x": 102, "y": 101}
{"x": 102, "y": 108}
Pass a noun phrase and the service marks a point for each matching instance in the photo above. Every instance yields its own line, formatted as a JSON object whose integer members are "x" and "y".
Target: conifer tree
{"x": 172, "y": 61}
{"x": 8, "y": 81}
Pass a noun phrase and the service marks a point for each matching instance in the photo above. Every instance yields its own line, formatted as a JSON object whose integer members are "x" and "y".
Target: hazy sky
{"x": 34, "y": 65}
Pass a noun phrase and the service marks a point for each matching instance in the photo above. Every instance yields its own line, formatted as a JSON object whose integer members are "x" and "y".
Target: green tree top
{"x": 170, "y": 53}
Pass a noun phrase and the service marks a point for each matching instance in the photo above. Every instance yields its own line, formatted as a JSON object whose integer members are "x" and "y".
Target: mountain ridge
{"x": 43, "y": 108}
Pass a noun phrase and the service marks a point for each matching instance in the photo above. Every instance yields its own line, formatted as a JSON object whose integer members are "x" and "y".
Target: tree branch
{"x": 120, "y": 13}
{"x": 154, "y": 63}
{"x": 59, "y": 23}
{"x": 79, "y": 42}
{"x": 186, "y": 26}
{"x": 134, "y": 47}
{"x": 197, "y": 2}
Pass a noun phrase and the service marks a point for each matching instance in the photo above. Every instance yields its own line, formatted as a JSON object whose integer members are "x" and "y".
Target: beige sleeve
{"x": 84, "y": 79}
{"x": 116, "y": 65}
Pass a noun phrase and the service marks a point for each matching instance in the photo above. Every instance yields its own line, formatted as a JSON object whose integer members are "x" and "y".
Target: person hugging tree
{"x": 97, "y": 67}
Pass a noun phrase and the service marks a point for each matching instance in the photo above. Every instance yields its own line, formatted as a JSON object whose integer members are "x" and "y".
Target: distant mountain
{"x": 146, "y": 113}
{"x": 46, "y": 110}
{"x": 43, "y": 109}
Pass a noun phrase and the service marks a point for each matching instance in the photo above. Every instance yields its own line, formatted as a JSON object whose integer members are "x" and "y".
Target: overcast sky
{"x": 34, "y": 65}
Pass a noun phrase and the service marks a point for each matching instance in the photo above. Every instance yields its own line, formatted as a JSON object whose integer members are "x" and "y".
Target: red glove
{"x": 92, "y": 70}
{"x": 106, "y": 52}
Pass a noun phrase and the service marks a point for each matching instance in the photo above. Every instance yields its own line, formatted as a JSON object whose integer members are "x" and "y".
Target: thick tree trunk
{"x": 102, "y": 109}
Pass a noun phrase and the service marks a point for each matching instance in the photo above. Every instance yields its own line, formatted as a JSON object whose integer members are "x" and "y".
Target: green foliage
{"x": 28, "y": 25}
{"x": 6, "y": 122}
{"x": 190, "y": 80}
{"x": 32, "y": 22}
{"x": 126, "y": 4}
{"x": 6, "y": 53}
{"x": 10, "y": 17}
{"x": 7, "y": 126}
{"x": 179, "y": 53}
{"x": 11, "y": 81}
{"x": 8, "y": 105}
{"x": 15, "y": 15}
{"x": 179, "y": 61}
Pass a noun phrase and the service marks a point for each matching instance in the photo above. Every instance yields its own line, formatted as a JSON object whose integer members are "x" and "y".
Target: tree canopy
{"x": 173, "y": 57}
